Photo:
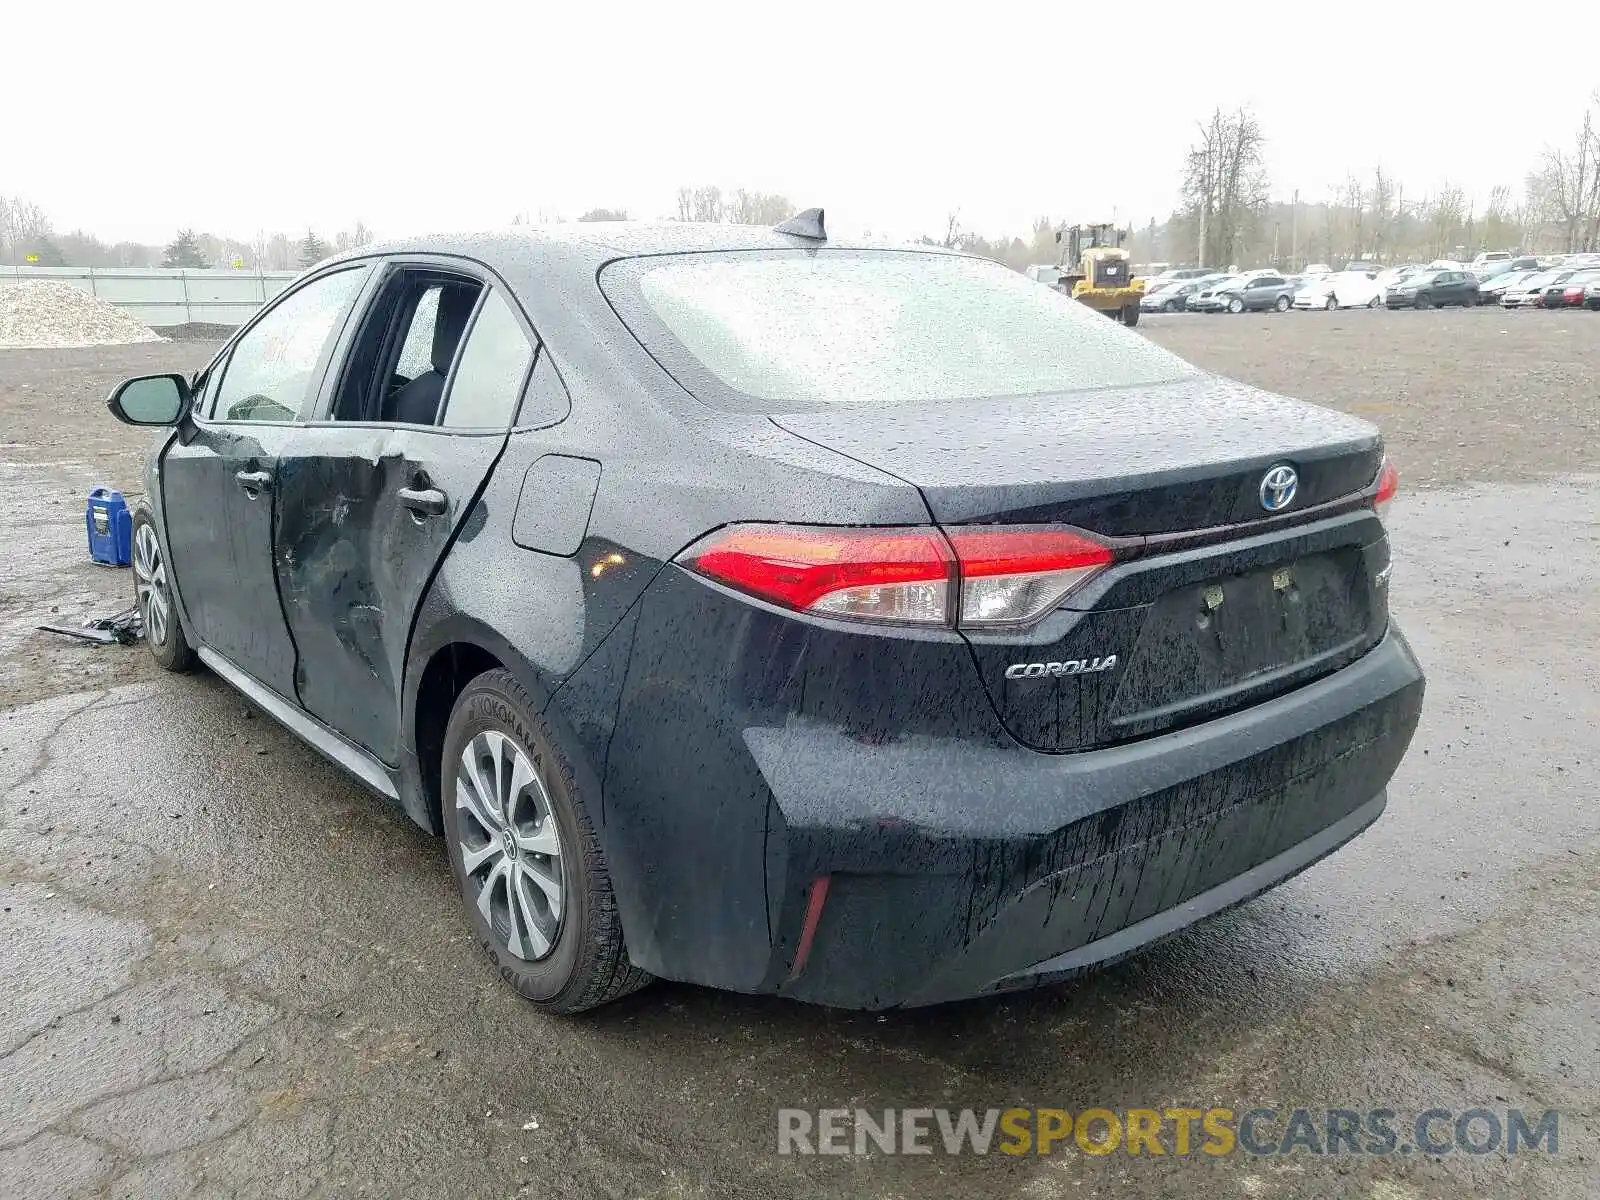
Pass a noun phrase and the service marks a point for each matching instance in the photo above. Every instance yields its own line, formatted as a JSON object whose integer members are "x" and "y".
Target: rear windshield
{"x": 811, "y": 328}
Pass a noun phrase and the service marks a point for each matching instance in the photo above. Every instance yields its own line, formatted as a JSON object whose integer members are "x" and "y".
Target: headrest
{"x": 455, "y": 307}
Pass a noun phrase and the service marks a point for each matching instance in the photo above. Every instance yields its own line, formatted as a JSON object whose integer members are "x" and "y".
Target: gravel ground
{"x": 1475, "y": 394}
{"x": 235, "y": 973}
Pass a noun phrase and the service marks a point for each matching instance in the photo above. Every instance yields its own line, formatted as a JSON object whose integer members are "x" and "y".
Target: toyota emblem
{"x": 1278, "y": 487}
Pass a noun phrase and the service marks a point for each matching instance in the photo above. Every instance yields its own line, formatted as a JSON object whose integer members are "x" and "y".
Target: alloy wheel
{"x": 150, "y": 585}
{"x": 510, "y": 845}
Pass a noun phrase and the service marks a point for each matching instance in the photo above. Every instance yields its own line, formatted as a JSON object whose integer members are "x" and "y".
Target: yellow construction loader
{"x": 1095, "y": 269}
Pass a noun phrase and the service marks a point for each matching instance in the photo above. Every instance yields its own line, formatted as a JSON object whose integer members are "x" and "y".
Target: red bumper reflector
{"x": 808, "y": 929}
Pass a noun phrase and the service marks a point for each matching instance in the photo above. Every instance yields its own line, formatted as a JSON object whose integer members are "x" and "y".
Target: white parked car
{"x": 1526, "y": 293}
{"x": 1318, "y": 269}
{"x": 1346, "y": 289}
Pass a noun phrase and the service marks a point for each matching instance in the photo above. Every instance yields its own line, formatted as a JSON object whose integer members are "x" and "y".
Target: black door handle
{"x": 425, "y": 502}
{"x": 253, "y": 482}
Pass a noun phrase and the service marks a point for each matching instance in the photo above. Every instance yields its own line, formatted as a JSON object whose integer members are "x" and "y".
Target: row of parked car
{"x": 1525, "y": 282}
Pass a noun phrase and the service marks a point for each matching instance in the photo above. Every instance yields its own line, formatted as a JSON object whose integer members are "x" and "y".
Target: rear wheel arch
{"x": 443, "y": 662}
{"x": 444, "y": 676}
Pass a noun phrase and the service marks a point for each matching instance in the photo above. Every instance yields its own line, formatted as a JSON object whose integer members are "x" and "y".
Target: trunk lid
{"x": 1120, "y": 461}
{"x": 1214, "y": 603}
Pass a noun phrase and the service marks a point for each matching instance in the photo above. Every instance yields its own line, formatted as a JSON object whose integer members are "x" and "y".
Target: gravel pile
{"x": 45, "y": 314}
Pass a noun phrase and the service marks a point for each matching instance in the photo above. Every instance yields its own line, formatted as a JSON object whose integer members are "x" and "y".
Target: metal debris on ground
{"x": 125, "y": 628}
{"x": 46, "y": 314}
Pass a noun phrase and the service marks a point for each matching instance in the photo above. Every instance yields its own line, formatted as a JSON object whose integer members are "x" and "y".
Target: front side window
{"x": 874, "y": 327}
{"x": 489, "y": 374}
{"x": 273, "y": 368}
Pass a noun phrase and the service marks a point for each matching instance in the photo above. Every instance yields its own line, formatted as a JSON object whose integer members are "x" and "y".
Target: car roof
{"x": 589, "y": 245}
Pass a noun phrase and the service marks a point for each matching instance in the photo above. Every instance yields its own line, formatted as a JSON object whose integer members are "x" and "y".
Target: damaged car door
{"x": 219, "y": 482}
{"x": 376, "y": 487}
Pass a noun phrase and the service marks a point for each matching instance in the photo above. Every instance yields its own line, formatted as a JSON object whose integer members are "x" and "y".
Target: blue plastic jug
{"x": 110, "y": 527}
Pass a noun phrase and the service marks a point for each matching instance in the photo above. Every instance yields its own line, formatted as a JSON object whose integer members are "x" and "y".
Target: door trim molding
{"x": 333, "y": 746}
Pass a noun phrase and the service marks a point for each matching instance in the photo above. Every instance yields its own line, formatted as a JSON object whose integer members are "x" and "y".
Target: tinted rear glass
{"x": 810, "y": 328}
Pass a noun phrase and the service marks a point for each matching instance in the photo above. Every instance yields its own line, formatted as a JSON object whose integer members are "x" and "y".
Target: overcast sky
{"x": 131, "y": 120}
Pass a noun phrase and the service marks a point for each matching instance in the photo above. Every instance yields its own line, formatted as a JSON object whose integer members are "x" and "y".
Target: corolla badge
{"x": 1055, "y": 670}
{"x": 1278, "y": 487}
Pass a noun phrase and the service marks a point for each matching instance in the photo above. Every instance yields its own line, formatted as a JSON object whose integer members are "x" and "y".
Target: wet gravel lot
{"x": 232, "y": 972}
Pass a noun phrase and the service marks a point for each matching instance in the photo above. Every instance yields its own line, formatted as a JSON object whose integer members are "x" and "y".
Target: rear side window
{"x": 489, "y": 374}
{"x": 808, "y": 328}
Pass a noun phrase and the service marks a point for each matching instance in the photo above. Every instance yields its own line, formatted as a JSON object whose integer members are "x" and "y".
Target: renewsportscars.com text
{"x": 1259, "y": 1132}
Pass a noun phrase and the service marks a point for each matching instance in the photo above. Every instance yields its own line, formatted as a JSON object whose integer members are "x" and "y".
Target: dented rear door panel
{"x": 353, "y": 560}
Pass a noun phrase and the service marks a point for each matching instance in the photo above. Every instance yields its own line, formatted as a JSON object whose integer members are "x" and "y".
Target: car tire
{"x": 152, "y": 593}
{"x": 1375, "y": 302}
{"x": 538, "y": 896}
{"x": 1236, "y": 305}
{"x": 1281, "y": 304}
{"x": 1423, "y": 300}
{"x": 1331, "y": 303}
{"x": 1171, "y": 306}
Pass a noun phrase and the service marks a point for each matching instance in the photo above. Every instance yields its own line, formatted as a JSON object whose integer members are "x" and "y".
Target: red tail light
{"x": 983, "y": 575}
{"x": 1388, "y": 485}
{"x": 883, "y": 574}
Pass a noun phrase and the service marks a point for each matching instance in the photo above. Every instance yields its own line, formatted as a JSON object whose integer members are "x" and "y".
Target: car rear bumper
{"x": 927, "y": 870}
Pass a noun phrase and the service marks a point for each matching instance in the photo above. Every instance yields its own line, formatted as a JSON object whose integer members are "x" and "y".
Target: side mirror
{"x": 150, "y": 400}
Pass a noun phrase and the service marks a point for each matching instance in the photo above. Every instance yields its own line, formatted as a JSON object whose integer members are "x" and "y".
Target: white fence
{"x": 156, "y": 296}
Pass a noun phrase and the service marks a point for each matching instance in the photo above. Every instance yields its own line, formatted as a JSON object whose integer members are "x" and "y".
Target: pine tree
{"x": 312, "y": 249}
{"x": 184, "y": 251}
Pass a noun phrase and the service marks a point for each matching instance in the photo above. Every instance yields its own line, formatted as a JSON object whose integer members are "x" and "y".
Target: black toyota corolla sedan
{"x": 869, "y": 626}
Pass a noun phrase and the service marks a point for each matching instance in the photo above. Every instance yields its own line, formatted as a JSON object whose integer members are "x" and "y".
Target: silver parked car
{"x": 1238, "y": 294}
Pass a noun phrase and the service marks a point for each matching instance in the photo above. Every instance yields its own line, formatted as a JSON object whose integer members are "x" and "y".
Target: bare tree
{"x": 758, "y": 208}
{"x": 24, "y": 228}
{"x": 1570, "y": 179}
{"x": 1445, "y": 216}
{"x": 605, "y": 214}
{"x": 1347, "y": 220}
{"x": 1382, "y": 199}
{"x": 1499, "y": 231}
{"x": 952, "y": 229}
{"x": 349, "y": 239}
{"x": 280, "y": 252}
{"x": 1225, "y": 183}
{"x": 703, "y": 203}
